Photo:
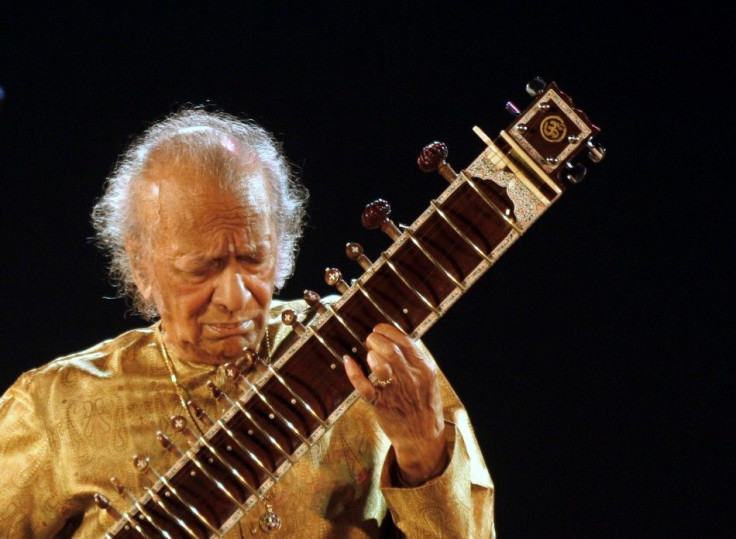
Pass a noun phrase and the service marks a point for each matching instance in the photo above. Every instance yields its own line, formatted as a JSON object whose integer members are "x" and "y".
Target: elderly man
{"x": 201, "y": 218}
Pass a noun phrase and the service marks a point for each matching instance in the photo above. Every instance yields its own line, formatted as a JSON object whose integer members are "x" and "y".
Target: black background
{"x": 593, "y": 359}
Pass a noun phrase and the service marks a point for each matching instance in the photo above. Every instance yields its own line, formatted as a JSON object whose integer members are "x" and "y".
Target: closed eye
{"x": 204, "y": 270}
{"x": 253, "y": 259}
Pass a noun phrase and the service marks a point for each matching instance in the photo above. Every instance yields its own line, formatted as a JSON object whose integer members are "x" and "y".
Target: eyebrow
{"x": 258, "y": 248}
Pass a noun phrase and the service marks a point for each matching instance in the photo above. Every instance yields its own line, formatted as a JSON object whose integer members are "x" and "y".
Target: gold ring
{"x": 384, "y": 383}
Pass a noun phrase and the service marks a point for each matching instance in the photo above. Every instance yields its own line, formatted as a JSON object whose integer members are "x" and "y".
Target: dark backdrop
{"x": 593, "y": 358}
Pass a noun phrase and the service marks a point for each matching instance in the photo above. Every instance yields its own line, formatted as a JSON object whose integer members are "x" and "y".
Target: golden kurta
{"x": 69, "y": 426}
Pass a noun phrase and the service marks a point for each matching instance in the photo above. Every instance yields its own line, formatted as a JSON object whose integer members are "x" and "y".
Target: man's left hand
{"x": 407, "y": 401}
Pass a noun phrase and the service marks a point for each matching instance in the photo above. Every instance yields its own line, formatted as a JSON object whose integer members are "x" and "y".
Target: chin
{"x": 232, "y": 348}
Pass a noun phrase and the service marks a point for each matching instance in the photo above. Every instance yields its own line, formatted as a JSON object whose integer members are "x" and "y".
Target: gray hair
{"x": 196, "y": 135}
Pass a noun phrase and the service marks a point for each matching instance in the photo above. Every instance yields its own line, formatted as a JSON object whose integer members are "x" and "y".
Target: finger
{"x": 383, "y": 351}
{"x": 380, "y": 366}
{"x": 359, "y": 380}
{"x": 407, "y": 346}
{"x": 402, "y": 355}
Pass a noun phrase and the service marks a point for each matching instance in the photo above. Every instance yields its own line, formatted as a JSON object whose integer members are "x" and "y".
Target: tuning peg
{"x": 232, "y": 371}
{"x": 103, "y": 503}
{"x": 289, "y": 318}
{"x": 576, "y": 172}
{"x": 512, "y": 109}
{"x": 355, "y": 252}
{"x": 375, "y": 215}
{"x": 434, "y": 157}
{"x": 313, "y": 300}
{"x": 140, "y": 463}
{"x": 333, "y": 277}
{"x": 167, "y": 444}
{"x": 596, "y": 152}
{"x": 119, "y": 487}
{"x": 535, "y": 86}
{"x": 216, "y": 392}
{"x": 199, "y": 413}
{"x": 179, "y": 424}
{"x": 246, "y": 362}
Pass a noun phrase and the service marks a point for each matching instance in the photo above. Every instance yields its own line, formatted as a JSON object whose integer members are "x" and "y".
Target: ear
{"x": 139, "y": 265}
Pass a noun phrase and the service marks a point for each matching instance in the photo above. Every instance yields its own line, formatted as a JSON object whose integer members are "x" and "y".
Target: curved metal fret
{"x": 248, "y": 452}
{"x": 231, "y": 468}
{"x": 159, "y": 501}
{"x": 235, "y": 439}
{"x": 377, "y": 306}
{"x": 283, "y": 382}
{"x": 270, "y": 438}
{"x": 344, "y": 324}
{"x": 129, "y": 519}
{"x": 490, "y": 203}
{"x": 265, "y": 400}
{"x": 416, "y": 292}
{"x": 194, "y": 460}
{"x": 143, "y": 512}
{"x": 432, "y": 259}
{"x": 192, "y": 508}
{"x": 326, "y": 345}
{"x": 459, "y": 232}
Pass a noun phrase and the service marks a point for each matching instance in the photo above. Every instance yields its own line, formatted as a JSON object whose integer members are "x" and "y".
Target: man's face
{"x": 211, "y": 272}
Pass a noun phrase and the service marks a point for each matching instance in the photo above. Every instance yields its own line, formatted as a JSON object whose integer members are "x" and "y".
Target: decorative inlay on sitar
{"x": 429, "y": 265}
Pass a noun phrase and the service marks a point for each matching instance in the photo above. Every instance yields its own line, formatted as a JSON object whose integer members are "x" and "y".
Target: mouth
{"x": 230, "y": 329}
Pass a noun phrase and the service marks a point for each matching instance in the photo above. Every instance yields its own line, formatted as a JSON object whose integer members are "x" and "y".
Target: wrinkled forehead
{"x": 178, "y": 187}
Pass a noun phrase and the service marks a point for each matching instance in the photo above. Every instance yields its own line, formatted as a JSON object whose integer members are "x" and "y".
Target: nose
{"x": 231, "y": 293}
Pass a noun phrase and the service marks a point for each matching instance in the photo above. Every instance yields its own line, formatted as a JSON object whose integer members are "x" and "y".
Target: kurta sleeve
{"x": 457, "y": 503}
{"x": 32, "y": 502}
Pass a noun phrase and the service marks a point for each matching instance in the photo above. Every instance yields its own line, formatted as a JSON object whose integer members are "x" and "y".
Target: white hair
{"x": 221, "y": 145}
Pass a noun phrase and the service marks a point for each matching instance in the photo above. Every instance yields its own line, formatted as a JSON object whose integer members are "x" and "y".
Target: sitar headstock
{"x": 551, "y": 132}
{"x": 538, "y": 148}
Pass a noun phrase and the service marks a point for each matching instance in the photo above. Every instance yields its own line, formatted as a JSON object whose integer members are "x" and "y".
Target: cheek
{"x": 194, "y": 300}
{"x": 265, "y": 285}
{"x": 185, "y": 300}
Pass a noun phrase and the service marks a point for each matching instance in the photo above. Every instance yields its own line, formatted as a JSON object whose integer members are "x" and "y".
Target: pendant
{"x": 270, "y": 521}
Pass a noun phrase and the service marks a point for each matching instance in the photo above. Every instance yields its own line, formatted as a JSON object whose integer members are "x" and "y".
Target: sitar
{"x": 234, "y": 460}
